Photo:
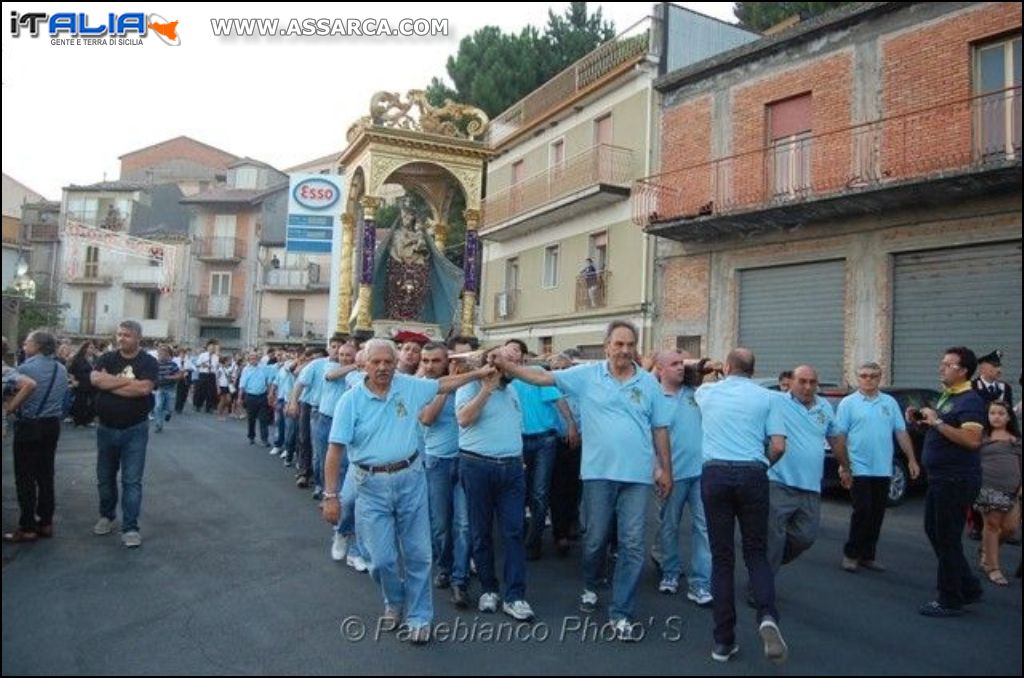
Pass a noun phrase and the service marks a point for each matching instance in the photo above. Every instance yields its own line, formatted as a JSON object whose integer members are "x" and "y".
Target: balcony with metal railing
{"x": 592, "y": 290}
{"x": 220, "y": 249}
{"x": 633, "y": 45}
{"x": 300, "y": 279}
{"x": 143, "y": 277}
{"x": 943, "y": 153}
{"x": 89, "y": 326}
{"x": 215, "y": 307}
{"x": 596, "y": 177}
{"x": 92, "y": 274}
{"x": 273, "y": 330}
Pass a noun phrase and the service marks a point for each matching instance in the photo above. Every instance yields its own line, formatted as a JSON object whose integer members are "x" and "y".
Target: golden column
{"x": 364, "y": 321}
{"x": 348, "y": 237}
{"x": 471, "y": 268}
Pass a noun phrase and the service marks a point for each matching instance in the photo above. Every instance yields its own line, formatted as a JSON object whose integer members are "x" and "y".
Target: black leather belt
{"x": 391, "y": 468}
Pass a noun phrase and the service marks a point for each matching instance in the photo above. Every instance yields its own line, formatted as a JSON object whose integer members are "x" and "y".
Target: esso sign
{"x": 315, "y": 194}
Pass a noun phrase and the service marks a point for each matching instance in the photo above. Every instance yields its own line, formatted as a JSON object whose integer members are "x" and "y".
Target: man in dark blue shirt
{"x": 954, "y": 478}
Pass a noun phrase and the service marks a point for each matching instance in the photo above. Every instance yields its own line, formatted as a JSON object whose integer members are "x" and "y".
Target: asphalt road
{"x": 234, "y": 578}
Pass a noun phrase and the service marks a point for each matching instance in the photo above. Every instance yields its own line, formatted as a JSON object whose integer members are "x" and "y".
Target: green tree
{"x": 492, "y": 70}
{"x": 760, "y": 16}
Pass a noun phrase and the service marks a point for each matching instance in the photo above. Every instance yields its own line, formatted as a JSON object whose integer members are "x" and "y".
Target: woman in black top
{"x": 83, "y": 411}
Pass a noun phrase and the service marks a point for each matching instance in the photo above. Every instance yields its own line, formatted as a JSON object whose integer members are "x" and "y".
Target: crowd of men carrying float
{"x": 418, "y": 458}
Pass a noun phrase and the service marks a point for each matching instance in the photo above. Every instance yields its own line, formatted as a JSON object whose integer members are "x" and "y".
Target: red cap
{"x": 407, "y": 335}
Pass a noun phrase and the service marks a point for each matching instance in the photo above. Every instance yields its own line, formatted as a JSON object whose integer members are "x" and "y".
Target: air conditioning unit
{"x": 314, "y": 274}
{"x": 503, "y": 304}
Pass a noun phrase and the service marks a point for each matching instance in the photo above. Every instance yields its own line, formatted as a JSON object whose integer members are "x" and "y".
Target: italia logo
{"x": 65, "y": 27}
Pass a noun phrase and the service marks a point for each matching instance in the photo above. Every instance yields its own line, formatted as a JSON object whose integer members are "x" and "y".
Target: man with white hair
{"x": 376, "y": 425}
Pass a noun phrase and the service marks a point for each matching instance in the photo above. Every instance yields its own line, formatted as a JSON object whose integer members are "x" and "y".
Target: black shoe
{"x": 937, "y": 609}
{"x": 723, "y": 652}
{"x": 533, "y": 553}
{"x": 460, "y": 598}
{"x": 442, "y": 580}
{"x": 251, "y": 441}
{"x": 972, "y": 598}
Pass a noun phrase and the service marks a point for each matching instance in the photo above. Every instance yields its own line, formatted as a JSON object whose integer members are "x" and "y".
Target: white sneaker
{"x": 284, "y": 453}
{"x": 356, "y": 563}
{"x": 488, "y": 602}
{"x": 520, "y": 610}
{"x": 699, "y": 595}
{"x": 275, "y": 450}
{"x": 131, "y": 539}
{"x": 339, "y": 547}
{"x": 103, "y": 526}
{"x": 588, "y": 602}
{"x": 668, "y": 585}
{"x": 774, "y": 646}
{"x": 624, "y": 631}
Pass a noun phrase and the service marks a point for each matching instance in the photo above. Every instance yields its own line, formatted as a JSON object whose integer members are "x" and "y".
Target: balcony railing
{"x": 602, "y": 164}
{"x": 215, "y": 306}
{"x": 627, "y": 48}
{"x": 42, "y": 232}
{"x": 91, "y": 274}
{"x": 285, "y": 330}
{"x": 506, "y": 305}
{"x": 89, "y": 326}
{"x": 592, "y": 290}
{"x": 953, "y": 138}
{"x": 307, "y": 277}
{"x": 143, "y": 276}
{"x": 220, "y": 249}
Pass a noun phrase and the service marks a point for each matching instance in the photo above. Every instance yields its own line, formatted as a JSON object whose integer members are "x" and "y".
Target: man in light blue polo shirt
{"x": 687, "y": 459}
{"x": 253, "y": 384}
{"x": 739, "y": 418}
{"x": 376, "y": 426}
{"x": 795, "y": 482}
{"x": 304, "y": 399}
{"x": 868, "y": 420}
{"x": 331, "y": 390}
{"x": 626, "y": 448}
{"x": 449, "y": 520}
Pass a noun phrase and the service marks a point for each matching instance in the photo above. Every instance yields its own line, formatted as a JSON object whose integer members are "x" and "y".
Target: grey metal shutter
{"x": 962, "y": 296}
{"x": 790, "y": 315}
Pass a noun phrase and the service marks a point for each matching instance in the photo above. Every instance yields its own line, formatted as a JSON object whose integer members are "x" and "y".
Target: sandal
{"x": 996, "y": 576}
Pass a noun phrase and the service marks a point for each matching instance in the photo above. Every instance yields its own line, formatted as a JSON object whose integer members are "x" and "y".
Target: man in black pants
{"x": 951, "y": 459}
{"x": 39, "y": 402}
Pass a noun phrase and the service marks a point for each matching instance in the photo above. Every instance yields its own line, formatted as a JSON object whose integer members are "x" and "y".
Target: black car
{"x": 901, "y": 482}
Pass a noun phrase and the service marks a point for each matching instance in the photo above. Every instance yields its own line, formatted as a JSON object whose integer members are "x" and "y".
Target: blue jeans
{"x": 392, "y": 515}
{"x": 291, "y": 436}
{"x": 603, "y": 502}
{"x": 164, "y": 398}
{"x": 279, "y": 419}
{"x": 497, "y": 487}
{"x": 449, "y": 518}
{"x": 670, "y": 515}
{"x": 121, "y": 450}
{"x": 347, "y": 525}
{"x": 321, "y": 432}
{"x": 731, "y": 493}
{"x": 539, "y": 453}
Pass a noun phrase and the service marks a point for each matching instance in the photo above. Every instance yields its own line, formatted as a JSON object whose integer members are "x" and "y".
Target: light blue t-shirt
{"x": 331, "y": 391}
{"x": 806, "y": 429}
{"x": 738, "y": 417}
{"x": 869, "y": 425}
{"x": 498, "y": 431}
{"x": 354, "y": 378}
{"x": 441, "y": 439}
{"x": 312, "y": 379}
{"x": 538, "y": 405}
{"x": 618, "y": 419}
{"x": 685, "y": 434}
{"x": 377, "y": 431}
{"x": 284, "y": 381}
{"x": 254, "y": 380}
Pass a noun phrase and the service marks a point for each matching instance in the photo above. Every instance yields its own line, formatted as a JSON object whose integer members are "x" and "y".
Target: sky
{"x": 69, "y": 111}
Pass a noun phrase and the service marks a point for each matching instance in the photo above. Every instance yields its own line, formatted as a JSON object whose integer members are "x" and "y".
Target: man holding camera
{"x": 867, "y": 421}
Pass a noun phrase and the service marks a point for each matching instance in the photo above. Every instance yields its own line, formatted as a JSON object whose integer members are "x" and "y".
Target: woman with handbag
{"x": 36, "y": 431}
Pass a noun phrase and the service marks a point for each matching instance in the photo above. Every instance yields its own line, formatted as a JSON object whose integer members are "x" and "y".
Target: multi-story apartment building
{"x": 846, "y": 190}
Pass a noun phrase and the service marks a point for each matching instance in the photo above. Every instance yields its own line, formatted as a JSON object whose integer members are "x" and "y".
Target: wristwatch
{"x": 330, "y": 495}
{"x": 938, "y": 423}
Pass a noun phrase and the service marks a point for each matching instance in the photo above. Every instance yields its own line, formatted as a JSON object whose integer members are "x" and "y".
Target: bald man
{"x": 794, "y": 483}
